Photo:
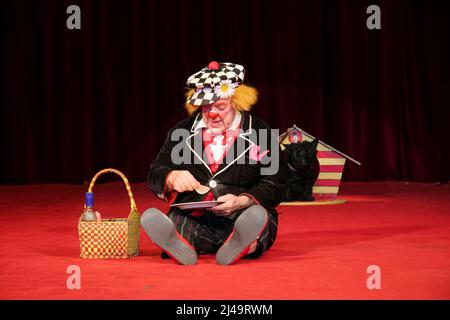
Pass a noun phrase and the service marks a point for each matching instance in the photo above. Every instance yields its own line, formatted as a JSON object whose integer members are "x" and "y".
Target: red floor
{"x": 322, "y": 252}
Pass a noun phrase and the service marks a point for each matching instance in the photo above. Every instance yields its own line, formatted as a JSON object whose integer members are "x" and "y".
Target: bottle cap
{"x": 89, "y": 199}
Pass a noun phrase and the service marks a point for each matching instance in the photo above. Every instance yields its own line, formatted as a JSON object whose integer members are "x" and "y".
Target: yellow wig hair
{"x": 242, "y": 100}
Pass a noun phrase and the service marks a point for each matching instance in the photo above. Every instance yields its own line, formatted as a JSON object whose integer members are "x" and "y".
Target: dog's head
{"x": 301, "y": 155}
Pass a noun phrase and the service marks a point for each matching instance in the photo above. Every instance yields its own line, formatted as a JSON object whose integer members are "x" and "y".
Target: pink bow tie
{"x": 209, "y": 137}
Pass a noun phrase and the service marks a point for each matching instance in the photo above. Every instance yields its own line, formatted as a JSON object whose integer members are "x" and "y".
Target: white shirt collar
{"x": 233, "y": 126}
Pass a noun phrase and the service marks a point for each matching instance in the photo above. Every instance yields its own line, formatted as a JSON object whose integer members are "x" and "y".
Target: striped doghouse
{"x": 331, "y": 162}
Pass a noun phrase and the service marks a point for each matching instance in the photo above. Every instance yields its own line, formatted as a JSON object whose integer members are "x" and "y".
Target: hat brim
{"x": 202, "y": 98}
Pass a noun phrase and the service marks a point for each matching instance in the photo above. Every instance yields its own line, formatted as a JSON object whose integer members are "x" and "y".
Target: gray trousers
{"x": 208, "y": 232}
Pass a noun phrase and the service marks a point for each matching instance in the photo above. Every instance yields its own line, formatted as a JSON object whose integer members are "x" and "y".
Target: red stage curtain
{"x": 75, "y": 101}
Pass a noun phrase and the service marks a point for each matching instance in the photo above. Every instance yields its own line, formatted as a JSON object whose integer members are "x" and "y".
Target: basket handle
{"x": 125, "y": 180}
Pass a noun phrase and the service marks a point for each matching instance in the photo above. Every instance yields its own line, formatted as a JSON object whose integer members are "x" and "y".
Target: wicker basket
{"x": 110, "y": 238}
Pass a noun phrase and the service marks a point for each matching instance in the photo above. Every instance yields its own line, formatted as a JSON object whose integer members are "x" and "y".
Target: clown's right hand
{"x": 181, "y": 181}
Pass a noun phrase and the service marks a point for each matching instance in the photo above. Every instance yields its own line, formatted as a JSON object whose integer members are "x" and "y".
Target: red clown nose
{"x": 212, "y": 115}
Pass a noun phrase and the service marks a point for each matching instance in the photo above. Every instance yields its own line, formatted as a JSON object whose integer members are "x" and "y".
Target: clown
{"x": 244, "y": 223}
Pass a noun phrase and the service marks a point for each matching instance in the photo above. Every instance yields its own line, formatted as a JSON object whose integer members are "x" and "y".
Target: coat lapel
{"x": 190, "y": 143}
{"x": 242, "y": 138}
{"x": 229, "y": 159}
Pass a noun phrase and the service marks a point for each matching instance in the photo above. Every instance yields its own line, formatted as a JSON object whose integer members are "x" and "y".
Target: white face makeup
{"x": 219, "y": 115}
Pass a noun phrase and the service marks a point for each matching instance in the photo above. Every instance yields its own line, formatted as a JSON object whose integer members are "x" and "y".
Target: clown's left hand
{"x": 231, "y": 204}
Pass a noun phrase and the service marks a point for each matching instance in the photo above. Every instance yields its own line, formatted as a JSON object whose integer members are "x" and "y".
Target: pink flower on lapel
{"x": 254, "y": 153}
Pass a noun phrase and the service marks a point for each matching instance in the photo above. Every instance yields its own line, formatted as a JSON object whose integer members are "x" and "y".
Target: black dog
{"x": 303, "y": 170}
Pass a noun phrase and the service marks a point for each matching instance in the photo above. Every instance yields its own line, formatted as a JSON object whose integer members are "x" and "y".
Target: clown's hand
{"x": 181, "y": 181}
{"x": 231, "y": 203}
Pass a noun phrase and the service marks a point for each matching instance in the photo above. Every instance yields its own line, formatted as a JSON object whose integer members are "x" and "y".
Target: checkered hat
{"x": 208, "y": 80}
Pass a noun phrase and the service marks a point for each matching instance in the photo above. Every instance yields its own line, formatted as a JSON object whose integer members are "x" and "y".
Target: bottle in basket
{"x": 89, "y": 214}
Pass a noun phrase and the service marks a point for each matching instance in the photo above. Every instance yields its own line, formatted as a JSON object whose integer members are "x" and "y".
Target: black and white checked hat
{"x": 209, "y": 78}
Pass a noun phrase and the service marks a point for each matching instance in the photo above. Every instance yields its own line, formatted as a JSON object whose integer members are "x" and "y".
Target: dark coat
{"x": 231, "y": 177}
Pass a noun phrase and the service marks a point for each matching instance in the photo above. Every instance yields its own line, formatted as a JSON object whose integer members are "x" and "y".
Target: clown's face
{"x": 219, "y": 115}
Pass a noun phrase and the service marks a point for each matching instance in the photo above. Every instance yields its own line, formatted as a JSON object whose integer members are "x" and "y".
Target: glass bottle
{"x": 89, "y": 214}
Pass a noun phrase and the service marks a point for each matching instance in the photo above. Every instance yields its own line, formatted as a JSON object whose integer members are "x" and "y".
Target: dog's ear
{"x": 315, "y": 142}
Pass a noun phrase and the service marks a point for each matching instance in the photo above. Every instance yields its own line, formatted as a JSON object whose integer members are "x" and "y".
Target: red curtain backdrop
{"x": 76, "y": 101}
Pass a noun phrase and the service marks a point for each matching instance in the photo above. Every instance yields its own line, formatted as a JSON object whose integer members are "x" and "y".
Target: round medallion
{"x": 213, "y": 184}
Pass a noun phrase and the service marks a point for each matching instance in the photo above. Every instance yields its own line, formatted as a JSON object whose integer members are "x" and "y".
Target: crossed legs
{"x": 182, "y": 236}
